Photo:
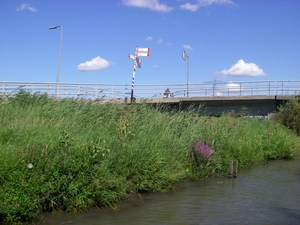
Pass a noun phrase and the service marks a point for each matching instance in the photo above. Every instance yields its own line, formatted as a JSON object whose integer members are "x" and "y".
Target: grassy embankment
{"x": 70, "y": 155}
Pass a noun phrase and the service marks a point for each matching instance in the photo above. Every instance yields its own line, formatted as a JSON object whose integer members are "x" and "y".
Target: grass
{"x": 70, "y": 155}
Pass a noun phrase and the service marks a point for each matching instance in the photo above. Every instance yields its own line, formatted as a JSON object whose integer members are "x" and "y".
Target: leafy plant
{"x": 289, "y": 115}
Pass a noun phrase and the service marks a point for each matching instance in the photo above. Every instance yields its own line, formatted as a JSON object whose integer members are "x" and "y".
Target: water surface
{"x": 262, "y": 194}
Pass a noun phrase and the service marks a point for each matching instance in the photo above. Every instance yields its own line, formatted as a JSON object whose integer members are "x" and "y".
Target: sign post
{"x": 185, "y": 57}
{"x": 137, "y": 63}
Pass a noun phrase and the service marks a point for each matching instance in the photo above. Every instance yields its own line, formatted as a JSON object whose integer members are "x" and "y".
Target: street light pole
{"x": 185, "y": 56}
{"x": 58, "y": 63}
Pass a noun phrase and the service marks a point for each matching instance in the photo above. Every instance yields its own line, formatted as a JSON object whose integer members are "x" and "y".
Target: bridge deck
{"x": 260, "y": 97}
{"x": 213, "y": 98}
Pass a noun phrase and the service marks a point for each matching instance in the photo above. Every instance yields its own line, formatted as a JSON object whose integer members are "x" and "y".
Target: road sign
{"x": 143, "y": 54}
{"x": 138, "y": 62}
{"x": 131, "y": 56}
{"x": 142, "y": 51}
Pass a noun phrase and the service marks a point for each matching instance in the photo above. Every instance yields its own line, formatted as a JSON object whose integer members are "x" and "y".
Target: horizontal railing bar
{"x": 97, "y": 90}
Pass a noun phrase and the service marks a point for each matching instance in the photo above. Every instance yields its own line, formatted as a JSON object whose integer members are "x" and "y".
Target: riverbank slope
{"x": 69, "y": 155}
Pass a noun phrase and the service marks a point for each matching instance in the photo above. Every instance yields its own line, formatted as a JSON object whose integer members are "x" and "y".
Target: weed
{"x": 69, "y": 155}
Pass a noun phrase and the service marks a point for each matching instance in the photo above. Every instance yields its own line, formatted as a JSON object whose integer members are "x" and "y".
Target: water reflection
{"x": 263, "y": 194}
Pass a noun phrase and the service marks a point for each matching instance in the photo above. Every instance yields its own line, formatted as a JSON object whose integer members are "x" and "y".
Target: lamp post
{"x": 185, "y": 56}
{"x": 59, "y": 53}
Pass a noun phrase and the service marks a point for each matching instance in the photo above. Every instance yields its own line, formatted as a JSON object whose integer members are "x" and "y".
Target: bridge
{"x": 258, "y": 97}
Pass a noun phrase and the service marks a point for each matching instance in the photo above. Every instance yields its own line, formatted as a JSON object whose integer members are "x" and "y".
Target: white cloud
{"x": 218, "y": 2}
{"x": 189, "y": 6}
{"x": 241, "y": 68}
{"x": 187, "y": 47}
{"x": 154, "y": 5}
{"x": 228, "y": 88}
{"x": 149, "y": 38}
{"x": 232, "y": 87}
{"x": 26, "y": 6}
{"x": 155, "y": 66}
{"x": 96, "y": 63}
{"x": 159, "y": 41}
{"x": 205, "y": 3}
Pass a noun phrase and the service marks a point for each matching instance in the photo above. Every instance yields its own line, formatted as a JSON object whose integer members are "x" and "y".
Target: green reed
{"x": 70, "y": 155}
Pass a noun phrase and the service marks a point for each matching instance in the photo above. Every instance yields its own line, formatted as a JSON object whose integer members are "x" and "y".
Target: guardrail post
{"x": 78, "y": 93}
{"x": 32, "y": 89}
{"x": 96, "y": 94}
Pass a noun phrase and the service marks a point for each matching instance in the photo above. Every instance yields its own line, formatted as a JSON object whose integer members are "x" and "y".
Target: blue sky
{"x": 226, "y": 40}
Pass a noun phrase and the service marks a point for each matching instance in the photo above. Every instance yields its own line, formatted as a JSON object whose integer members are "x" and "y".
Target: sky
{"x": 224, "y": 40}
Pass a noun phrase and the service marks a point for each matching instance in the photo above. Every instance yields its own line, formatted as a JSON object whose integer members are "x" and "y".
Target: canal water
{"x": 262, "y": 194}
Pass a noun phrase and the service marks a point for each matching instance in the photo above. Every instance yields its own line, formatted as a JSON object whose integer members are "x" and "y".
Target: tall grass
{"x": 69, "y": 155}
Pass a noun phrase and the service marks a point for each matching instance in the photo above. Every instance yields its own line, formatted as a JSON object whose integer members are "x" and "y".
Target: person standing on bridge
{"x": 167, "y": 93}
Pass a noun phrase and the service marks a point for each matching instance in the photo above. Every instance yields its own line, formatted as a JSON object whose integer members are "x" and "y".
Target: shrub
{"x": 289, "y": 115}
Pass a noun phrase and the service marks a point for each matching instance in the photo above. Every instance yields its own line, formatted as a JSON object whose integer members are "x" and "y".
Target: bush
{"x": 289, "y": 115}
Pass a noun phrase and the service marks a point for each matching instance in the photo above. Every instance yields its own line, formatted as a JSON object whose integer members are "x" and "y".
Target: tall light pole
{"x": 59, "y": 53}
{"x": 185, "y": 56}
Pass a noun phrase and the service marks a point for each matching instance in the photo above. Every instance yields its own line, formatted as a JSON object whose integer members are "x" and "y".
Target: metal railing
{"x": 119, "y": 91}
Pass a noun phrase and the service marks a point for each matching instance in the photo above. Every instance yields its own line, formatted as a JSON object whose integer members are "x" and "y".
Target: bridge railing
{"x": 119, "y": 91}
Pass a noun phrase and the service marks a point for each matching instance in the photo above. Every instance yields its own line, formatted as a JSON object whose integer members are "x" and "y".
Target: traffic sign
{"x": 138, "y": 62}
{"x": 142, "y": 51}
{"x": 131, "y": 56}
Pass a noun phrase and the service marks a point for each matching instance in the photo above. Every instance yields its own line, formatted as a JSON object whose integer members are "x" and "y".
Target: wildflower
{"x": 48, "y": 193}
{"x": 201, "y": 151}
{"x": 43, "y": 198}
{"x": 29, "y": 166}
{"x": 69, "y": 175}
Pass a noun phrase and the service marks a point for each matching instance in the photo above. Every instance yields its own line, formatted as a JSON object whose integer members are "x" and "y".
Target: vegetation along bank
{"x": 70, "y": 155}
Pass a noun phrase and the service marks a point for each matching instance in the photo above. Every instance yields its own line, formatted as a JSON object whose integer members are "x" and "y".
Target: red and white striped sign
{"x": 142, "y": 51}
